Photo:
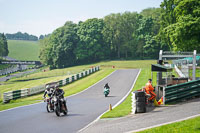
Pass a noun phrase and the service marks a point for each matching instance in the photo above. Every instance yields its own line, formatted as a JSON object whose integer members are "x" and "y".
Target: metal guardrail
{"x": 12, "y": 95}
{"x": 181, "y": 92}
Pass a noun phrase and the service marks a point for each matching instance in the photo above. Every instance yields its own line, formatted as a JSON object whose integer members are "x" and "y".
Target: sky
{"x": 38, "y": 17}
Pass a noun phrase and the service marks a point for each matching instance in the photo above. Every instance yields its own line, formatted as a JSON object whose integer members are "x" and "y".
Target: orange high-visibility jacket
{"x": 149, "y": 88}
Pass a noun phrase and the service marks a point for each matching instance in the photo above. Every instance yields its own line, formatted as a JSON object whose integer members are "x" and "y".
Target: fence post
{"x": 163, "y": 95}
{"x": 60, "y": 83}
{"x": 67, "y": 80}
{"x": 194, "y": 66}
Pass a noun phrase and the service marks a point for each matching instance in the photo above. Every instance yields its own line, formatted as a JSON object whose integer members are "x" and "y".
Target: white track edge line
{"x": 65, "y": 97}
{"x": 113, "y": 106}
{"x": 163, "y": 124}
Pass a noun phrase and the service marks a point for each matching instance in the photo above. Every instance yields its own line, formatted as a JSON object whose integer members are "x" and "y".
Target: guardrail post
{"x": 82, "y": 75}
{"x": 194, "y": 65}
{"x": 77, "y": 76}
{"x": 163, "y": 95}
{"x": 67, "y": 80}
{"x": 60, "y": 83}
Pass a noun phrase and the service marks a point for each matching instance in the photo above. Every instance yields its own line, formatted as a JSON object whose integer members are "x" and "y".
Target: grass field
{"x": 186, "y": 126}
{"x": 23, "y": 50}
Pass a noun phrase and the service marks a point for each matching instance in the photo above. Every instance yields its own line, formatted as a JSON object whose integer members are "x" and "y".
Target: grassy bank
{"x": 186, "y": 126}
{"x": 23, "y": 50}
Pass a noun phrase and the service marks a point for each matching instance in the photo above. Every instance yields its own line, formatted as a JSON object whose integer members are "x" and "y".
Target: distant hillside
{"x": 21, "y": 36}
{"x": 23, "y": 50}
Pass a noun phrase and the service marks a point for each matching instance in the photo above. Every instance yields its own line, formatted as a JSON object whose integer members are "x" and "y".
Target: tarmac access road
{"x": 83, "y": 108}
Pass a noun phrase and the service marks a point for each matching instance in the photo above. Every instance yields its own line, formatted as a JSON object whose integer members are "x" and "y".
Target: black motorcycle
{"x": 60, "y": 106}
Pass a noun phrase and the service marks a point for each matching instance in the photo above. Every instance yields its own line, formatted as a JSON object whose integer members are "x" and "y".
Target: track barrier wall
{"x": 180, "y": 92}
{"x": 12, "y": 95}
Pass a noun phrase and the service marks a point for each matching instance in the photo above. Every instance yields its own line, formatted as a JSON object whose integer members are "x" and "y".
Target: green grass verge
{"x": 23, "y": 50}
{"x": 186, "y": 126}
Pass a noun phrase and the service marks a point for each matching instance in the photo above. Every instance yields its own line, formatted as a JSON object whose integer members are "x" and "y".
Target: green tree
{"x": 3, "y": 45}
{"x": 91, "y": 46}
{"x": 182, "y": 30}
{"x": 118, "y": 32}
{"x": 129, "y": 25}
{"x": 57, "y": 50}
{"x": 111, "y": 33}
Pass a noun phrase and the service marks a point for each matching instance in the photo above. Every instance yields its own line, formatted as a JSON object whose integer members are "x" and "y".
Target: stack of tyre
{"x": 140, "y": 101}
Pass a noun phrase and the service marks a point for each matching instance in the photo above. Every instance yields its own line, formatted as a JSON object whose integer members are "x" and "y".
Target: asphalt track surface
{"x": 83, "y": 108}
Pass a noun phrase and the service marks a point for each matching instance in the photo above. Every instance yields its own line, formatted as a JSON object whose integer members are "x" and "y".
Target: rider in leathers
{"x": 106, "y": 86}
{"x": 59, "y": 93}
{"x": 49, "y": 92}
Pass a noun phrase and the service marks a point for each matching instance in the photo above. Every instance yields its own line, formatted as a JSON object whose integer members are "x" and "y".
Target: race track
{"x": 83, "y": 108}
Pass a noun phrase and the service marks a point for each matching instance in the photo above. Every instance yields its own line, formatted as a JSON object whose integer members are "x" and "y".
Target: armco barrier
{"x": 36, "y": 90}
{"x": 181, "y": 92}
{"x": 11, "y": 95}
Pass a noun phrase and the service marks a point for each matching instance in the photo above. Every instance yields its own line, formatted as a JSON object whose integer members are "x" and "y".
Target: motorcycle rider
{"x": 107, "y": 86}
{"x": 59, "y": 93}
{"x": 49, "y": 92}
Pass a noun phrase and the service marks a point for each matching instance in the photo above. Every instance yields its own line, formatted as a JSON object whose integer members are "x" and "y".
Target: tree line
{"x": 128, "y": 35}
{"x": 21, "y": 36}
{"x": 3, "y": 45}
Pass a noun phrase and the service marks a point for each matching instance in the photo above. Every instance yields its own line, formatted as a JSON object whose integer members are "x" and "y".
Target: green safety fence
{"x": 12, "y": 95}
{"x": 180, "y": 92}
{"x": 16, "y": 94}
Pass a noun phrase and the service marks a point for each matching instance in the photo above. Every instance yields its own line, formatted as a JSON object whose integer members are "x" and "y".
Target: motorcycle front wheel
{"x": 57, "y": 111}
{"x": 66, "y": 111}
{"x": 48, "y": 107}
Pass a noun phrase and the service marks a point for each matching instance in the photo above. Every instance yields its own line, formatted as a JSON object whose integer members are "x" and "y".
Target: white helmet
{"x": 47, "y": 86}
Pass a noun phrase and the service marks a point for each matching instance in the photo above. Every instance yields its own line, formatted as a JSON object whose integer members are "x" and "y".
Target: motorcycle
{"x": 60, "y": 106}
{"x": 50, "y": 104}
{"x": 106, "y": 91}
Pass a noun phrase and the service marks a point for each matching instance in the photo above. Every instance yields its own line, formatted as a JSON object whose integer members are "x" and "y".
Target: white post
{"x": 133, "y": 99}
{"x": 160, "y": 55}
{"x": 163, "y": 95}
{"x": 194, "y": 66}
